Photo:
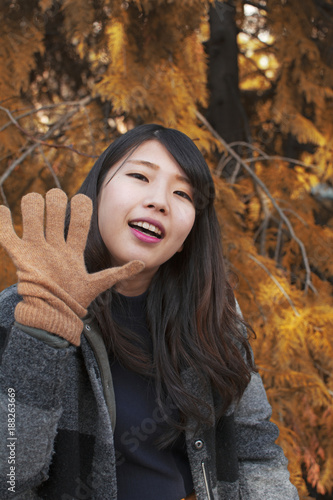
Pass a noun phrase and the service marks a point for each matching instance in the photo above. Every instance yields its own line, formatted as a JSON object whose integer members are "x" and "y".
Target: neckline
{"x": 132, "y": 298}
{"x": 124, "y": 306}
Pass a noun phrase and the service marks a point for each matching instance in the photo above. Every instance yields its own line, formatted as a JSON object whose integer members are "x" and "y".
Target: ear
{"x": 181, "y": 248}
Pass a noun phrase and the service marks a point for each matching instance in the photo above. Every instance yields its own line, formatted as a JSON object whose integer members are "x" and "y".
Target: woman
{"x": 153, "y": 393}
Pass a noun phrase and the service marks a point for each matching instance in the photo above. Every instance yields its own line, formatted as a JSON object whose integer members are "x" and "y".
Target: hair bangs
{"x": 190, "y": 159}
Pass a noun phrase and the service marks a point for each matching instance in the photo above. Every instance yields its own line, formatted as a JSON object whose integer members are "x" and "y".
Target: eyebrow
{"x": 154, "y": 166}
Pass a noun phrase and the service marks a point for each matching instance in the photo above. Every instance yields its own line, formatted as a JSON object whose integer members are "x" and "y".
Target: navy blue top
{"x": 143, "y": 471}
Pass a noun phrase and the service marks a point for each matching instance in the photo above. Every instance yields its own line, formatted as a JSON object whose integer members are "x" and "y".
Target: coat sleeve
{"x": 31, "y": 383}
{"x": 263, "y": 472}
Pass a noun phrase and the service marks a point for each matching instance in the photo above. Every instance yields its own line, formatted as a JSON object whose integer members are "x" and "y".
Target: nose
{"x": 158, "y": 206}
{"x": 157, "y": 200}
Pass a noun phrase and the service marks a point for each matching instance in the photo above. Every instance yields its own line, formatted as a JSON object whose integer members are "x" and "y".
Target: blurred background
{"x": 252, "y": 84}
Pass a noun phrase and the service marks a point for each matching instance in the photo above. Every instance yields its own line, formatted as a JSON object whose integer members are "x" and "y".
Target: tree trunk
{"x": 225, "y": 111}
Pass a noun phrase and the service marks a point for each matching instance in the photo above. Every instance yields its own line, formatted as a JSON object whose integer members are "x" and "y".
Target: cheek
{"x": 102, "y": 210}
{"x": 186, "y": 222}
{"x": 111, "y": 202}
{"x": 105, "y": 215}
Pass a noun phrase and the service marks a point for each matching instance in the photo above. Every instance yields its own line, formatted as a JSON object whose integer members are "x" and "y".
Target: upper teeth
{"x": 146, "y": 225}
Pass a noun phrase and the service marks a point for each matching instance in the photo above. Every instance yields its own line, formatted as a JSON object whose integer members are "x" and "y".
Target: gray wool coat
{"x": 59, "y": 444}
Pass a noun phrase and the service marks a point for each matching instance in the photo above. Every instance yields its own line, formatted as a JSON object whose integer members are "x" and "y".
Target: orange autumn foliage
{"x": 74, "y": 78}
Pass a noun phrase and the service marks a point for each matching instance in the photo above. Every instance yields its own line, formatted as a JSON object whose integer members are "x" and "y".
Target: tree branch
{"x": 278, "y": 243}
{"x": 4, "y": 198}
{"x": 264, "y": 156}
{"x": 49, "y": 166}
{"x": 28, "y": 151}
{"x": 257, "y": 70}
{"x": 308, "y": 283}
{"x": 41, "y": 141}
{"x": 280, "y": 287}
{"x": 82, "y": 102}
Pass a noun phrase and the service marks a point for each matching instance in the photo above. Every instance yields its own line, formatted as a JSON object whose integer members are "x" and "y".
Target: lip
{"x": 151, "y": 221}
{"x": 146, "y": 238}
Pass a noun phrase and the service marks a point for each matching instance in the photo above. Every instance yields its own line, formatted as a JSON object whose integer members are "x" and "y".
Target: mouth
{"x": 147, "y": 228}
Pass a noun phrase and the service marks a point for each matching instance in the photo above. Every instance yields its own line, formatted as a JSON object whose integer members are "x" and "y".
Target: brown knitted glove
{"x": 52, "y": 277}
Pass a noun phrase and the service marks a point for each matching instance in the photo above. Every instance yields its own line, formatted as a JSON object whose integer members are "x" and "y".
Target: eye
{"x": 138, "y": 176}
{"x": 183, "y": 195}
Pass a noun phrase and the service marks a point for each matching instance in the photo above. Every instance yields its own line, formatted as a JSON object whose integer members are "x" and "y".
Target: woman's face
{"x": 146, "y": 211}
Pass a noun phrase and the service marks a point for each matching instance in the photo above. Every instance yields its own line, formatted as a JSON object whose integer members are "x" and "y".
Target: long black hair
{"x": 191, "y": 309}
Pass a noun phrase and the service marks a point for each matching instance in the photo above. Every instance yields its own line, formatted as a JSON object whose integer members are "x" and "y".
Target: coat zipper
{"x": 208, "y": 491}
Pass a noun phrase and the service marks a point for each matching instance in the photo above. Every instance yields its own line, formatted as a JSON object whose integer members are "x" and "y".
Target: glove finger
{"x": 56, "y": 203}
{"x": 81, "y": 210}
{"x": 103, "y": 280}
{"x": 8, "y": 238}
{"x": 32, "y": 207}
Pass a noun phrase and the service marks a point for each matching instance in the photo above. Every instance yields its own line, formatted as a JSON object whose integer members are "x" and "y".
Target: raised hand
{"x": 52, "y": 277}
